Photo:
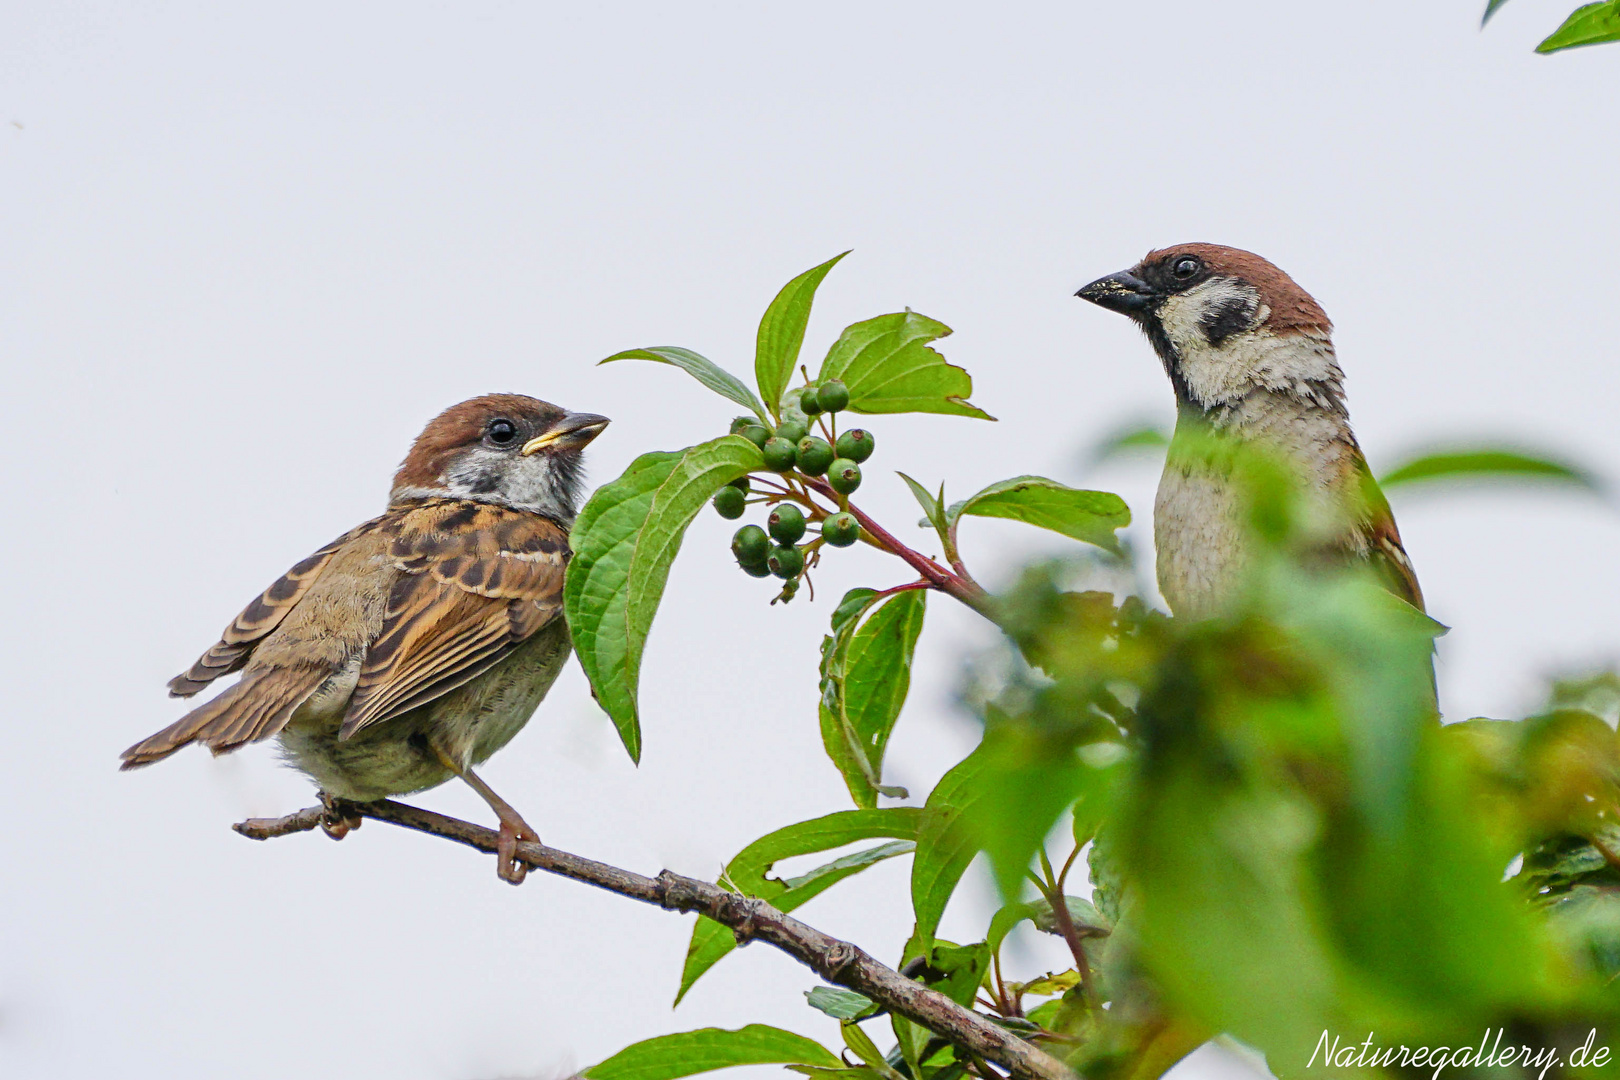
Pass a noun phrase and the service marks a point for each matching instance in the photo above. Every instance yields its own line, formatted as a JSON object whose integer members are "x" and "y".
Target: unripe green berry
{"x": 814, "y": 455}
{"x": 841, "y": 530}
{"x": 792, "y": 430}
{"x": 833, "y": 396}
{"x": 809, "y": 401}
{"x": 786, "y": 524}
{"x": 741, "y": 484}
{"x": 758, "y": 434}
{"x": 755, "y": 569}
{"x": 855, "y": 444}
{"x": 779, "y": 454}
{"x": 741, "y": 422}
{"x": 786, "y": 561}
{"x": 728, "y": 502}
{"x": 751, "y": 546}
{"x": 844, "y": 476}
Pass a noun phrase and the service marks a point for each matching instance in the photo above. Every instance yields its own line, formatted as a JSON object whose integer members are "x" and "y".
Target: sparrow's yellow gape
{"x": 579, "y": 427}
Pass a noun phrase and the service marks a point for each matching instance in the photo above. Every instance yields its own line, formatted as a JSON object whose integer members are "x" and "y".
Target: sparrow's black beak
{"x": 1123, "y": 292}
{"x": 573, "y": 430}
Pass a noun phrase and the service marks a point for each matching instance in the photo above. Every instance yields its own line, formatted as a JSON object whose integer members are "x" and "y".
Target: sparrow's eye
{"x": 501, "y": 432}
{"x": 1185, "y": 267}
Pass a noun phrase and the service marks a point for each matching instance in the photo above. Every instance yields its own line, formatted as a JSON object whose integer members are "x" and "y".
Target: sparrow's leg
{"x": 335, "y": 823}
{"x": 513, "y": 828}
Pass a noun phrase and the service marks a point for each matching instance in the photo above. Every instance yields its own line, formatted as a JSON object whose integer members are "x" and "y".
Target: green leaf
{"x": 1491, "y": 463}
{"x": 1089, "y": 516}
{"x": 747, "y": 872}
{"x": 865, "y": 1049}
{"x": 1133, "y": 438}
{"x": 702, "y": 369}
{"x": 1490, "y": 9}
{"x": 945, "y": 846}
{"x": 1591, "y": 24}
{"x": 781, "y": 333}
{"x": 865, "y": 676}
{"x": 624, "y": 542}
{"x": 933, "y": 506}
{"x": 668, "y": 1057}
{"x": 889, "y": 368}
{"x": 840, "y": 1004}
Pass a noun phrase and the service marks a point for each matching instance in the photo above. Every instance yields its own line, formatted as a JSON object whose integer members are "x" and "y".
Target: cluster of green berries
{"x": 791, "y": 447}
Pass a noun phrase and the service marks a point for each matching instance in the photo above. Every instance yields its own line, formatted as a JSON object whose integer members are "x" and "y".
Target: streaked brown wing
{"x": 476, "y": 581}
{"x": 1384, "y": 547}
{"x": 262, "y": 616}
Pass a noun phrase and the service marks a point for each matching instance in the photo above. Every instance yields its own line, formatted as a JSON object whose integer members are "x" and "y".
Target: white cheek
{"x": 1182, "y": 316}
{"x": 1215, "y": 373}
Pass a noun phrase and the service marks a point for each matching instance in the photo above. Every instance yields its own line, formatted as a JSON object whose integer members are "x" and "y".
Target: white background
{"x": 246, "y": 251}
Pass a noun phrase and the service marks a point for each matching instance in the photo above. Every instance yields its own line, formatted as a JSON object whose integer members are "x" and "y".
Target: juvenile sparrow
{"x": 1250, "y": 356}
{"x": 416, "y": 645}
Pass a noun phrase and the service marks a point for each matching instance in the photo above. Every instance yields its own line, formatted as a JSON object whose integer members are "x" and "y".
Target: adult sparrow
{"x": 1250, "y": 356}
{"x": 414, "y": 646}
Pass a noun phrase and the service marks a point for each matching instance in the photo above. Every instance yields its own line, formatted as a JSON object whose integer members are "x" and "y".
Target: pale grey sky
{"x": 249, "y": 250}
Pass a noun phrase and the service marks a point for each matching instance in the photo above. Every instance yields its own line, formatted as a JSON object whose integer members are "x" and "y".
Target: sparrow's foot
{"x": 339, "y": 819}
{"x": 508, "y": 866}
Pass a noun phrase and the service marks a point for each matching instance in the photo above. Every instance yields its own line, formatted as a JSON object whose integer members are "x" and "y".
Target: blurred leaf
{"x": 1490, "y": 9}
{"x": 1082, "y": 912}
{"x": 889, "y": 368}
{"x": 702, "y": 369}
{"x": 1591, "y": 24}
{"x": 1030, "y": 777}
{"x": 747, "y": 872}
{"x": 840, "y": 1004}
{"x": 1133, "y": 438}
{"x": 624, "y": 541}
{"x": 1002, "y": 923}
{"x": 1089, "y": 516}
{"x": 781, "y": 333}
{"x": 865, "y": 677}
{"x": 1048, "y": 985}
{"x": 669, "y": 1057}
{"x": 945, "y": 846}
{"x": 1489, "y": 463}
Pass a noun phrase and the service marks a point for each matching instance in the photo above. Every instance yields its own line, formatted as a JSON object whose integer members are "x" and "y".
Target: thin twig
{"x": 1065, "y": 924}
{"x": 749, "y": 919}
{"x": 937, "y": 576}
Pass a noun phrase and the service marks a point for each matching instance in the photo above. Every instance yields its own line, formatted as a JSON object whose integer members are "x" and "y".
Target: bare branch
{"x": 749, "y": 919}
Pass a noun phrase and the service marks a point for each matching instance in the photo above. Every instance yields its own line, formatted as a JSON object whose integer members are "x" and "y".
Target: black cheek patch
{"x": 1229, "y": 317}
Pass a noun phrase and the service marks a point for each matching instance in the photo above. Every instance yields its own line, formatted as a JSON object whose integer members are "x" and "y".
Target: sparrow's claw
{"x": 508, "y": 866}
{"x": 339, "y": 820}
{"x": 513, "y": 828}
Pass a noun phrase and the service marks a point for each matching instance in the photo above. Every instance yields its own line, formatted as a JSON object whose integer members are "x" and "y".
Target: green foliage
{"x": 888, "y": 367}
{"x": 1590, "y": 24}
{"x": 1281, "y": 838}
{"x": 1089, "y": 516}
{"x": 865, "y": 676}
{"x": 624, "y": 541}
{"x": 840, "y": 1004}
{"x": 747, "y": 873}
{"x": 1487, "y": 463}
{"x": 702, "y": 369}
{"x": 669, "y": 1057}
{"x": 781, "y": 333}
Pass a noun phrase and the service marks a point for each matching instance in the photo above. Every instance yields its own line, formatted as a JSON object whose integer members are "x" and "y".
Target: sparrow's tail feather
{"x": 256, "y": 708}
